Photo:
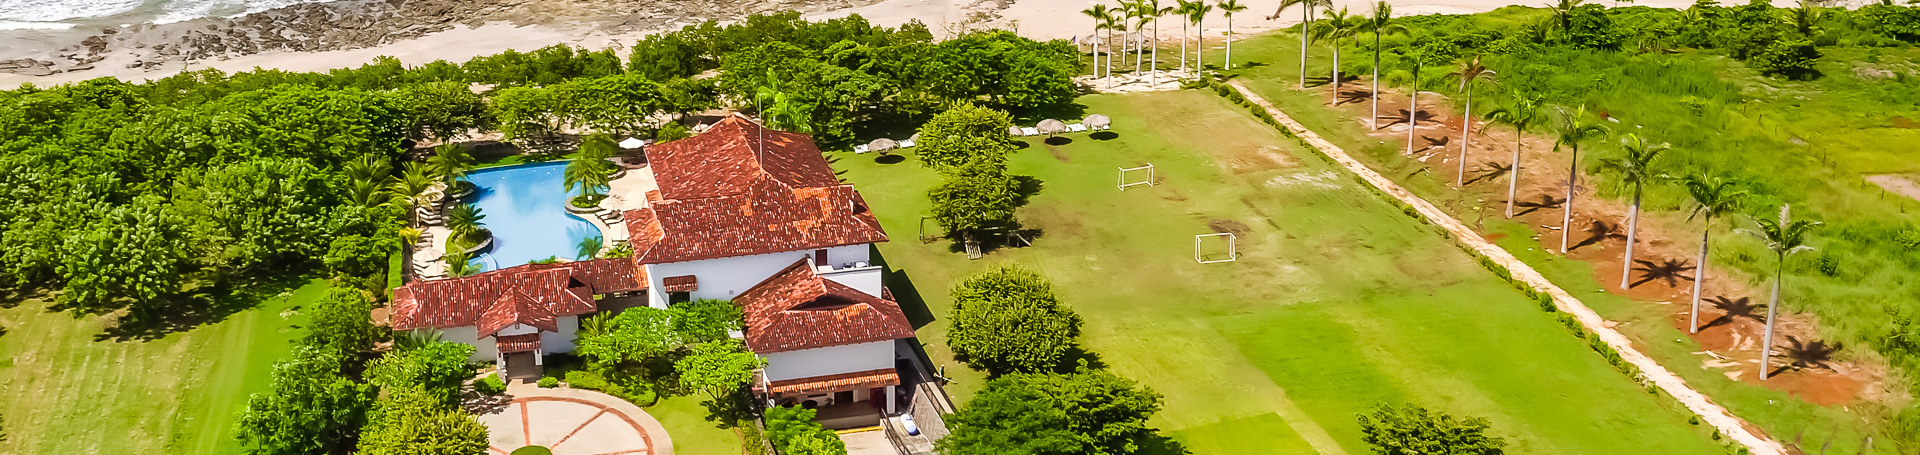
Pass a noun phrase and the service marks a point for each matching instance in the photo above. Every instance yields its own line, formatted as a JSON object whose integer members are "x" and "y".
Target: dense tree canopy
{"x": 1414, "y": 430}
{"x": 794, "y": 432}
{"x": 313, "y": 407}
{"x": 1090, "y": 412}
{"x": 1007, "y": 320}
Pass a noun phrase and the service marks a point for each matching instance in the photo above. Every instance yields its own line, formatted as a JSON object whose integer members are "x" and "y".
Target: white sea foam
{"x": 63, "y": 14}
{"x": 42, "y": 11}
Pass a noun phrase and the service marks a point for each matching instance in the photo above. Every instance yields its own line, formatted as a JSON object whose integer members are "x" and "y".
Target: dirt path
{"x": 1712, "y": 414}
{"x": 1898, "y": 184}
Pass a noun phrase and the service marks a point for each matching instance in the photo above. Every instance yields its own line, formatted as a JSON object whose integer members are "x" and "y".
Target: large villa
{"x": 738, "y": 213}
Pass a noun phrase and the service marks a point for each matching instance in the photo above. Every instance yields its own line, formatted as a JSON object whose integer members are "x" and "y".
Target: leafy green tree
{"x": 466, "y": 223}
{"x": 665, "y": 56}
{"x": 366, "y": 180}
{"x": 1008, "y": 320}
{"x": 1090, "y": 412}
{"x": 705, "y": 320}
{"x": 410, "y": 421}
{"x": 131, "y": 253}
{"x": 1784, "y": 238}
{"x": 255, "y": 212}
{"x": 963, "y": 135}
{"x": 440, "y": 110}
{"x": 357, "y": 259}
{"x": 450, "y": 163}
{"x": 435, "y": 368}
{"x": 1413, "y": 430}
{"x": 311, "y": 408}
{"x": 1635, "y": 168}
{"x": 408, "y": 187}
{"x": 782, "y": 110}
{"x": 627, "y": 340}
{"x": 1712, "y": 197}
{"x": 794, "y": 432}
{"x": 622, "y": 104}
{"x": 530, "y": 118}
{"x": 1790, "y": 58}
{"x": 716, "y": 369}
{"x": 1571, "y": 128}
{"x": 340, "y": 324}
{"x": 972, "y": 202}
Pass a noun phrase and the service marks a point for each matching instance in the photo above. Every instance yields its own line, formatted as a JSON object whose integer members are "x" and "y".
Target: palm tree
{"x": 1783, "y": 237}
{"x": 1306, "y": 27}
{"x": 366, "y": 180}
{"x": 1338, "y": 26}
{"x": 1413, "y": 101}
{"x": 1228, "y": 7}
{"x": 1380, "y": 23}
{"x": 464, "y": 220}
{"x": 1563, "y": 13}
{"x": 407, "y": 187}
{"x": 449, "y": 162}
{"x": 1712, "y": 197}
{"x": 589, "y": 247}
{"x": 1802, "y": 19}
{"x": 1129, "y": 10}
{"x": 1199, "y": 17}
{"x": 460, "y": 264}
{"x": 1522, "y": 115}
{"x": 1571, "y": 129}
{"x": 782, "y": 110}
{"x": 1142, "y": 17}
{"x": 1099, "y": 14}
{"x": 1635, "y": 167}
{"x": 1113, "y": 22}
{"x": 1154, "y": 11}
{"x": 591, "y": 169}
{"x": 1185, "y": 11}
{"x": 1470, "y": 70}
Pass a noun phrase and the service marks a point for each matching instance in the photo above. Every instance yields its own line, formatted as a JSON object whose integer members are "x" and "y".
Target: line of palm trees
{"x": 1635, "y": 166}
{"x": 1133, "y": 17}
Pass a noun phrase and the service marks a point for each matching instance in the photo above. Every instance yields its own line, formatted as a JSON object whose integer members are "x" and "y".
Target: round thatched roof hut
{"x": 1014, "y": 131}
{"x": 882, "y": 145}
{"x": 1098, "y": 122}
{"x": 1051, "y": 127}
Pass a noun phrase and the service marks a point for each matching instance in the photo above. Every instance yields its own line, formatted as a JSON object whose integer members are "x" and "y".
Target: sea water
{"x": 66, "y": 14}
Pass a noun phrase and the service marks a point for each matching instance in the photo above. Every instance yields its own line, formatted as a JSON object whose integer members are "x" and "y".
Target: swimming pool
{"x": 525, "y": 209}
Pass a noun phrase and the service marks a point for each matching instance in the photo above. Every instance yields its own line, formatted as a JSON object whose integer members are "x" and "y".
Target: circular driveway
{"x": 574, "y": 422}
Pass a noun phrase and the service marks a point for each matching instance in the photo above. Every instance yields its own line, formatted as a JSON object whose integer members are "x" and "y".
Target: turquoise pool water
{"x": 525, "y": 209}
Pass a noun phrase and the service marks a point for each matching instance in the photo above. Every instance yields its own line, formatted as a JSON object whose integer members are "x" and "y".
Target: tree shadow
{"x": 1734, "y": 309}
{"x": 1103, "y": 136}
{"x": 1402, "y": 116}
{"x": 1598, "y": 231}
{"x": 1814, "y": 354}
{"x": 900, "y": 284}
{"x": 1546, "y": 201}
{"x": 1061, "y": 111}
{"x": 478, "y": 404}
{"x": 1353, "y": 96}
{"x": 154, "y": 319}
{"x": 1669, "y": 270}
{"x": 1493, "y": 170}
{"x": 1438, "y": 143}
{"x": 1021, "y": 145}
{"x": 1029, "y": 186}
{"x": 1160, "y": 444}
{"x": 889, "y": 159}
{"x": 1079, "y": 359}
{"x": 1058, "y": 141}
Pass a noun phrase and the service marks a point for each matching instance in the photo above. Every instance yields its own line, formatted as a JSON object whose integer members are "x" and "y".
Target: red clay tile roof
{"x": 796, "y": 309}
{"x": 682, "y": 283}
{"x": 517, "y": 343}
{"x": 719, "y": 198}
{"x": 533, "y": 294}
{"x": 837, "y": 382}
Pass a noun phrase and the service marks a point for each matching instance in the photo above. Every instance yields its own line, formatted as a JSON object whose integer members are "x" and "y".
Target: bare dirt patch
{"x": 1221, "y": 226}
{"x": 1897, "y": 184}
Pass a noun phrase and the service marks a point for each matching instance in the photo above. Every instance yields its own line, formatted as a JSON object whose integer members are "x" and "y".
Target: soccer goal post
{"x": 1203, "y": 256}
{"x": 1136, "y": 172}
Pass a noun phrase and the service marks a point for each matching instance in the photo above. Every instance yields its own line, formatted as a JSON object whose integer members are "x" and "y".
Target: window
{"x": 819, "y": 257}
{"x": 679, "y": 297}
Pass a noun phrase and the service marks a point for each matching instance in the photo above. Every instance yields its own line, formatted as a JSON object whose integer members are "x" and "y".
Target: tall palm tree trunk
{"x": 1155, "y": 66}
{"x": 1773, "y": 304}
{"x": 1633, "y": 225}
{"x": 1459, "y": 177}
{"x": 1200, "y": 46}
{"x": 1184, "y": 31}
{"x": 1306, "y": 20}
{"x": 1513, "y": 173}
{"x": 1566, "y": 216}
{"x": 1699, "y": 275}
{"x": 1336, "y": 69}
{"x": 1229, "y": 42}
{"x": 1374, "y": 122}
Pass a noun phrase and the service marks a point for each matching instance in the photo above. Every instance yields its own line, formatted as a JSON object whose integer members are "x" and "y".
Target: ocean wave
{"x": 65, "y": 14}
{"x": 25, "y": 25}
{"x": 44, "y": 11}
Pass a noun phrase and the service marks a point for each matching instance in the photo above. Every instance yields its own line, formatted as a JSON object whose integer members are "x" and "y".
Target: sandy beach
{"x": 459, "y": 41}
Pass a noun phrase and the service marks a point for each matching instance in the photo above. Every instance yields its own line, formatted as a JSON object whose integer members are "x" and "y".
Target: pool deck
{"x": 629, "y": 192}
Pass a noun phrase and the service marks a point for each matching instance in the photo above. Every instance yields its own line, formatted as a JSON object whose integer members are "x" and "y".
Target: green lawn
{"x": 68, "y": 392}
{"x": 1779, "y": 414}
{"x": 686, "y": 422}
{"x": 1338, "y": 302}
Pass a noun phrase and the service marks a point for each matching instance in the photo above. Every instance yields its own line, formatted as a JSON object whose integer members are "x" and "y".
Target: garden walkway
{"x": 573, "y": 422}
{"x": 1668, "y": 382}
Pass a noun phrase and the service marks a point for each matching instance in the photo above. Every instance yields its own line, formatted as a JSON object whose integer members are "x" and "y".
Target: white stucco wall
{"x": 485, "y": 349}
{"x": 866, "y": 279}
{"x": 724, "y": 278}
{"x": 829, "y": 360}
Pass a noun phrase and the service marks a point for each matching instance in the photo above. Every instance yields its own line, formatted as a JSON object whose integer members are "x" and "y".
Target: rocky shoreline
{"x": 356, "y": 24}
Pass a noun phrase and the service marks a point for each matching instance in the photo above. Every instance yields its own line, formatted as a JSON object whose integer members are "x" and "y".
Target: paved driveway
{"x": 574, "y": 422}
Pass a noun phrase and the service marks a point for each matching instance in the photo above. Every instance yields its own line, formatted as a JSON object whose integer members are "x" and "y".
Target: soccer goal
{"x": 1137, "y": 173}
{"x": 1204, "y": 255}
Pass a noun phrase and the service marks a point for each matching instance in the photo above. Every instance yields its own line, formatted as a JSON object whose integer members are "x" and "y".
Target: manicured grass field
{"x": 1338, "y": 302}
{"x": 1779, "y": 414}
{"x": 66, "y": 390}
{"x": 686, "y": 422}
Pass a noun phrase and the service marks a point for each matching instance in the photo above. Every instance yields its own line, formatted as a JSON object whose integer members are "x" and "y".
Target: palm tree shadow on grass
{"x": 1669, "y": 270}
{"x": 1103, "y": 136}
{"x": 1734, "y": 309}
{"x": 1546, "y": 201}
{"x": 1600, "y": 230}
{"x": 1401, "y": 117}
{"x": 1351, "y": 96}
{"x": 1493, "y": 170}
{"x": 1057, "y": 140}
{"x": 1812, "y": 354}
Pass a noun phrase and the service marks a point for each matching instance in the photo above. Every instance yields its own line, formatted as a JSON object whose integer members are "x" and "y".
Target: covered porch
{"x": 845, "y": 400}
